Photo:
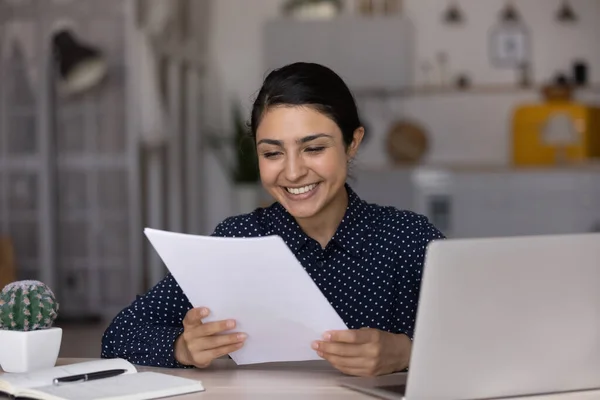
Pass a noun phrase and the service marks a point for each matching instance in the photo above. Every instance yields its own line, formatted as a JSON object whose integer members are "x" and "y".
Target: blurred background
{"x": 117, "y": 115}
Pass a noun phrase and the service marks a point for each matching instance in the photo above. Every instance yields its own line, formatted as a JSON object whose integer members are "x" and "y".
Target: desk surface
{"x": 290, "y": 381}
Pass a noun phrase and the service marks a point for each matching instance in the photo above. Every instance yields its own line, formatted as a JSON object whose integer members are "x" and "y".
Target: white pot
{"x": 28, "y": 351}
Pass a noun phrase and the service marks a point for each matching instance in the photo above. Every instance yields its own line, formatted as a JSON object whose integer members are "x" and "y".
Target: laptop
{"x": 502, "y": 317}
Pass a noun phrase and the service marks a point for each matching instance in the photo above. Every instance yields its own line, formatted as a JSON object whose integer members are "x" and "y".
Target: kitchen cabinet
{"x": 367, "y": 52}
{"x": 486, "y": 202}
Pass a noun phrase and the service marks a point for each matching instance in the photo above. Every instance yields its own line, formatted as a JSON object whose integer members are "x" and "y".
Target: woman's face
{"x": 303, "y": 159}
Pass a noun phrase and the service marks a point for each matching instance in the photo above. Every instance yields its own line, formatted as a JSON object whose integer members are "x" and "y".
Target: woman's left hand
{"x": 365, "y": 351}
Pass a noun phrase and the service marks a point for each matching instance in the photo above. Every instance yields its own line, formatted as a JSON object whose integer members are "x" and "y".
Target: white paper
{"x": 256, "y": 281}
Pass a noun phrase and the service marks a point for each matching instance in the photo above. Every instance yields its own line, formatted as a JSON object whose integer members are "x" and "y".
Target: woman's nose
{"x": 295, "y": 169}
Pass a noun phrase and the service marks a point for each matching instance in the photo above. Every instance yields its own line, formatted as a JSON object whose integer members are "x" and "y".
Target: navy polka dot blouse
{"x": 370, "y": 272}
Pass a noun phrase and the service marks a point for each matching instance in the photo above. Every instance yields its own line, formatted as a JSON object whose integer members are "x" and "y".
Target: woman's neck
{"x": 323, "y": 226}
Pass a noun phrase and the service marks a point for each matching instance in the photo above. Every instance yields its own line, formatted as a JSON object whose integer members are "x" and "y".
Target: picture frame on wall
{"x": 509, "y": 46}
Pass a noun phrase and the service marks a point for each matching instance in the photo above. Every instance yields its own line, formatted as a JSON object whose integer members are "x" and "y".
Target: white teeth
{"x": 302, "y": 189}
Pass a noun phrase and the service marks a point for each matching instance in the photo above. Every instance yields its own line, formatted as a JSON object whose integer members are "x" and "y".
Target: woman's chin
{"x": 302, "y": 209}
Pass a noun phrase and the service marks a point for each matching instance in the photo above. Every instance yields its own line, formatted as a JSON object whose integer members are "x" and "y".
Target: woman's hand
{"x": 201, "y": 343}
{"x": 365, "y": 352}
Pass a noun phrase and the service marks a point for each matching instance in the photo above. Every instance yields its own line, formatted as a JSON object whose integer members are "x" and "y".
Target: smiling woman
{"x": 307, "y": 130}
{"x": 305, "y": 172}
{"x": 367, "y": 259}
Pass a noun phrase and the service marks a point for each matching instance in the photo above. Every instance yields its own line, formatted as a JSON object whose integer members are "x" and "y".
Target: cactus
{"x": 26, "y": 306}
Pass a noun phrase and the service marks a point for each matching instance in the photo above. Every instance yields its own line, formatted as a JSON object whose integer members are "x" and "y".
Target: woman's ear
{"x": 357, "y": 138}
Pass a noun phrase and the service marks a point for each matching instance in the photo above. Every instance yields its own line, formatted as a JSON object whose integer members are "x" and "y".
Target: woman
{"x": 366, "y": 259}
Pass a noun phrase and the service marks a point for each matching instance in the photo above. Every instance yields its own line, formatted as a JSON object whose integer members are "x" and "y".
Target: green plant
{"x": 246, "y": 168}
{"x": 26, "y": 306}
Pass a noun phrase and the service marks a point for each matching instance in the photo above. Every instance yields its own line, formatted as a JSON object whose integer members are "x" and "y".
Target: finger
{"x": 354, "y": 336}
{"x": 342, "y": 362}
{"x": 224, "y": 350}
{"x": 205, "y": 358}
{"x": 339, "y": 349}
{"x": 212, "y": 328}
{"x": 216, "y": 341}
{"x": 194, "y": 316}
{"x": 354, "y": 366}
{"x": 354, "y": 371}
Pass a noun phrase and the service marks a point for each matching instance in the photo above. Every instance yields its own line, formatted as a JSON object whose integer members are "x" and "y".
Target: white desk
{"x": 309, "y": 380}
{"x": 225, "y": 380}
{"x": 287, "y": 381}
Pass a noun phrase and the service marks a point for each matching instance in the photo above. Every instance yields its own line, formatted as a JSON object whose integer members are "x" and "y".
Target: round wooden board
{"x": 407, "y": 142}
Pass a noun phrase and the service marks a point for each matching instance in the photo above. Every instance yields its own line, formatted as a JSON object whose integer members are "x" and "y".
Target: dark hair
{"x": 308, "y": 84}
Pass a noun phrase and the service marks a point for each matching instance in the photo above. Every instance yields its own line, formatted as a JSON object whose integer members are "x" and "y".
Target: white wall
{"x": 456, "y": 123}
{"x": 235, "y": 53}
{"x": 554, "y": 44}
{"x": 475, "y": 128}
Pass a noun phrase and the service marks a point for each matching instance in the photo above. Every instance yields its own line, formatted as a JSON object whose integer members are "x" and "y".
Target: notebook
{"x": 132, "y": 385}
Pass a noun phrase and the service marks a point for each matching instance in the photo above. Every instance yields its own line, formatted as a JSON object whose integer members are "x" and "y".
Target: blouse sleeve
{"x": 425, "y": 233}
{"x": 144, "y": 333}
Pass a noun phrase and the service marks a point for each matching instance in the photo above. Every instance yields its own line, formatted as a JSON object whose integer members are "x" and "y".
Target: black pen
{"x": 89, "y": 376}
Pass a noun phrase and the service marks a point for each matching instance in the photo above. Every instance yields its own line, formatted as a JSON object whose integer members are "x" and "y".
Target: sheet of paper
{"x": 256, "y": 281}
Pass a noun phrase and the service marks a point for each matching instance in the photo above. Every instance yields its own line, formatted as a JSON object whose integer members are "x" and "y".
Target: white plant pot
{"x": 28, "y": 351}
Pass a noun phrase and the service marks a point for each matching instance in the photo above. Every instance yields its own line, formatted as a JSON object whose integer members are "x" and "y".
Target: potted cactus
{"x": 28, "y": 341}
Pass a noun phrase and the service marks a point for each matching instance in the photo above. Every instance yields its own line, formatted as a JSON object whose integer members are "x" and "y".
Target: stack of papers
{"x": 256, "y": 281}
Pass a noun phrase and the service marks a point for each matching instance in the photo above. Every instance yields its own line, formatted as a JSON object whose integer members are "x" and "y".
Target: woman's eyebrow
{"x": 313, "y": 137}
{"x": 271, "y": 141}
{"x": 305, "y": 139}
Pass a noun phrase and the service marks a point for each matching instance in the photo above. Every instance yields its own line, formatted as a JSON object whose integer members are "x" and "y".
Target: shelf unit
{"x": 483, "y": 89}
{"x": 69, "y": 166}
{"x": 75, "y": 199}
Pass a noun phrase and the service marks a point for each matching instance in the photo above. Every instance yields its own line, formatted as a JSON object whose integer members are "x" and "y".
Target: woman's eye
{"x": 270, "y": 154}
{"x": 314, "y": 149}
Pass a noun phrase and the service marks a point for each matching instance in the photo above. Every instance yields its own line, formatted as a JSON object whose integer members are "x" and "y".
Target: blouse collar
{"x": 350, "y": 234}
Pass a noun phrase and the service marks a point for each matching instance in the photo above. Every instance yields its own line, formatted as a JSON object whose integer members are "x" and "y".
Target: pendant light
{"x": 453, "y": 15}
{"x": 565, "y": 13}
{"x": 510, "y": 14}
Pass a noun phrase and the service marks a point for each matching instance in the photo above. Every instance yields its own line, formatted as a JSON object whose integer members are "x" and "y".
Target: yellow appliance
{"x": 557, "y": 131}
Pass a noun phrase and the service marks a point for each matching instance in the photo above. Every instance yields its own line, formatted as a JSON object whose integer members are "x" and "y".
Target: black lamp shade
{"x": 566, "y": 13}
{"x": 80, "y": 67}
{"x": 453, "y": 14}
{"x": 510, "y": 13}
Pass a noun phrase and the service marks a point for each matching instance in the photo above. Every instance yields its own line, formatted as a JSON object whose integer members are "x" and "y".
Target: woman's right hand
{"x": 201, "y": 343}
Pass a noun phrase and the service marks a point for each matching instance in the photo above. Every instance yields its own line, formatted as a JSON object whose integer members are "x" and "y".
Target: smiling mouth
{"x": 301, "y": 190}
